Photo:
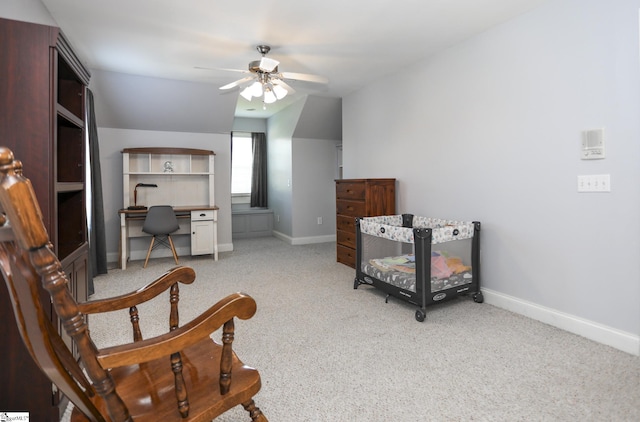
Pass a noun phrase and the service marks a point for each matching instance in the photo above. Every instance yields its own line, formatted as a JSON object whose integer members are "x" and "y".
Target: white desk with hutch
{"x": 183, "y": 178}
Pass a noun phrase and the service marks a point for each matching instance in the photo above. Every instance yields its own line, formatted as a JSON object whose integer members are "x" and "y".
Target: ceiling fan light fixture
{"x": 265, "y": 81}
{"x": 256, "y": 89}
{"x": 247, "y": 93}
{"x": 269, "y": 96}
{"x": 279, "y": 91}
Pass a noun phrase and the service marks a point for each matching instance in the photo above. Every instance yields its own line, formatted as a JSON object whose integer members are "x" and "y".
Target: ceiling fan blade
{"x": 236, "y": 83}
{"x": 222, "y": 69}
{"x": 267, "y": 64}
{"x": 305, "y": 77}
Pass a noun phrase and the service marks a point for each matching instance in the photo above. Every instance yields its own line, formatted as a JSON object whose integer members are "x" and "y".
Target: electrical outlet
{"x": 319, "y": 220}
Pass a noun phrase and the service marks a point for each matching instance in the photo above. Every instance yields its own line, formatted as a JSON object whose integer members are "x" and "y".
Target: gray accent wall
{"x": 321, "y": 118}
{"x": 490, "y": 130}
{"x": 26, "y": 11}
{"x": 280, "y": 169}
{"x": 302, "y": 170}
{"x": 143, "y": 103}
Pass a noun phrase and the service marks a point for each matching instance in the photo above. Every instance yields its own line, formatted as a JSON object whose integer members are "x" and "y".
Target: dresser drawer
{"x": 346, "y": 238}
{"x": 346, "y": 256}
{"x": 350, "y": 191}
{"x": 350, "y": 208}
{"x": 346, "y": 223}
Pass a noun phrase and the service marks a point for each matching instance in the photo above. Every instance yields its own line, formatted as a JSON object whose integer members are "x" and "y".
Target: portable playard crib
{"x": 420, "y": 260}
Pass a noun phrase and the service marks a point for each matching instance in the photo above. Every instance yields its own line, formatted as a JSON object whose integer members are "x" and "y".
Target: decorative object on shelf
{"x": 168, "y": 167}
{"x": 135, "y": 205}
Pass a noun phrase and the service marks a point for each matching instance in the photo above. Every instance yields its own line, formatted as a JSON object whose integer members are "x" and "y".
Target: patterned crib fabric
{"x": 390, "y": 227}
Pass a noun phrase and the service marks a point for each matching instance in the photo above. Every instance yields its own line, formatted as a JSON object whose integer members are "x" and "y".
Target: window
{"x": 241, "y": 164}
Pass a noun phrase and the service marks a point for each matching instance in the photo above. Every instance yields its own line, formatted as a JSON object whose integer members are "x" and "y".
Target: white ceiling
{"x": 351, "y": 42}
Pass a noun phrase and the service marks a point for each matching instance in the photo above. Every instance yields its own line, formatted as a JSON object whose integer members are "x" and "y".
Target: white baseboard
{"x": 304, "y": 240}
{"x": 600, "y": 333}
{"x": 140, "y": 254}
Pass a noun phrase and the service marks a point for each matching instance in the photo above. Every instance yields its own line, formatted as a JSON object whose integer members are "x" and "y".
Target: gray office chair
{"x": 160, "y": 222}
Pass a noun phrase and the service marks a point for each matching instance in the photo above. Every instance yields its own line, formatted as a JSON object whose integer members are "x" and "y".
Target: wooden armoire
{"x": 42, "y": 120}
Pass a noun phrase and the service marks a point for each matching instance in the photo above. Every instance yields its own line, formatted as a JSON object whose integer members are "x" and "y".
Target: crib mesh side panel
{"x": 394, "y": 262}
{"x": 390, "y": 261}
{"x": 451, "y": 264}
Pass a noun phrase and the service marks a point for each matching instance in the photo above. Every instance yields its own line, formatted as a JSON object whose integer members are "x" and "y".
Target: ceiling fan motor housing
{"x": 263, "y": 49}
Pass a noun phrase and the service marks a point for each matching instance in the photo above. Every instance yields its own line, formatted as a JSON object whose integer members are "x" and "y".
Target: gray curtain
{"x": 259, "y": 170}
{"x": 97, "y": 237}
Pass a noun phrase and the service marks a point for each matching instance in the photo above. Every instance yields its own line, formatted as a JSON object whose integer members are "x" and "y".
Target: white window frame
{"x": 241, "y": 197}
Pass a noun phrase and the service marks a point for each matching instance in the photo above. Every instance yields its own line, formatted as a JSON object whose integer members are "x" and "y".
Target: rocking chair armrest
{"x": 238, "y": 305}
{"x": 180, "y": 274}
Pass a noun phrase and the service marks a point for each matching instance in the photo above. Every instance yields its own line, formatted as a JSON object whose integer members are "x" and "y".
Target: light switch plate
{"x": 594, "y": 183}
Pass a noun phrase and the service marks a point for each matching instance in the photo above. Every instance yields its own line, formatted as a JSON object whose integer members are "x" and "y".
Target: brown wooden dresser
{"x": 359, "y": 198}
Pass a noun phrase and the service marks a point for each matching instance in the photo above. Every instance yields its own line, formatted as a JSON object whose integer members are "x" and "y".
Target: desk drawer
{"x": 202, "y": 215}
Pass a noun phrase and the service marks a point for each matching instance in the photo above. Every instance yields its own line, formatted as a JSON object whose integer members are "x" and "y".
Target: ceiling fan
{"x": 268, "y": 81}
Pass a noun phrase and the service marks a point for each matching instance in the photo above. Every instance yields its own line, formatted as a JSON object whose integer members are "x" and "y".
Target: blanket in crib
{"x": 446, "y": 272}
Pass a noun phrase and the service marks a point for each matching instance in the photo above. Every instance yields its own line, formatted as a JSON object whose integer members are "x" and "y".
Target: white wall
{"x": 113, "y": 141}
{"x": 490, "y": 130}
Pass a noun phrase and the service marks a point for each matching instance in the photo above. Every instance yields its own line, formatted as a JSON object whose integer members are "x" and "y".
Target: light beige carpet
{"x": 327, "y": 352}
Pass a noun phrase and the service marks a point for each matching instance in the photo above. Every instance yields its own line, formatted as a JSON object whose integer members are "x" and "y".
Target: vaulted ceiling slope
{"x": 352, "y": 43}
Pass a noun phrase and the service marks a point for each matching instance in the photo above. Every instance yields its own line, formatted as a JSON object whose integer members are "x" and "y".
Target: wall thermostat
{"x": 592, "y": 144}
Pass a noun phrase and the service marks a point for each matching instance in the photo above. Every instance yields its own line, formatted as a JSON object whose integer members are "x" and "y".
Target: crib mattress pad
{"x": 399, "y": 271}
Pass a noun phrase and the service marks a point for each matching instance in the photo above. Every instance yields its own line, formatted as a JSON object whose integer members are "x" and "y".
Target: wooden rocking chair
{"x": 143, "y": 380}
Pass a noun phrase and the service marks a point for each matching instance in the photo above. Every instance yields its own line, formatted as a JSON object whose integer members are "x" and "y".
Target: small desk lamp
{"x": 135, "y": 195}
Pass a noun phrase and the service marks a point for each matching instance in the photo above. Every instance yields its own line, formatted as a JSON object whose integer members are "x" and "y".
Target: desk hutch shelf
{"x": 184, "y": 176}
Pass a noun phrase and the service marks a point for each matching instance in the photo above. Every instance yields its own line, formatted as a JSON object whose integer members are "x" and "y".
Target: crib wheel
{"x": 478, "y": 297}
{"x": 356, "y": 283}
{"x": 420, "y": 315}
